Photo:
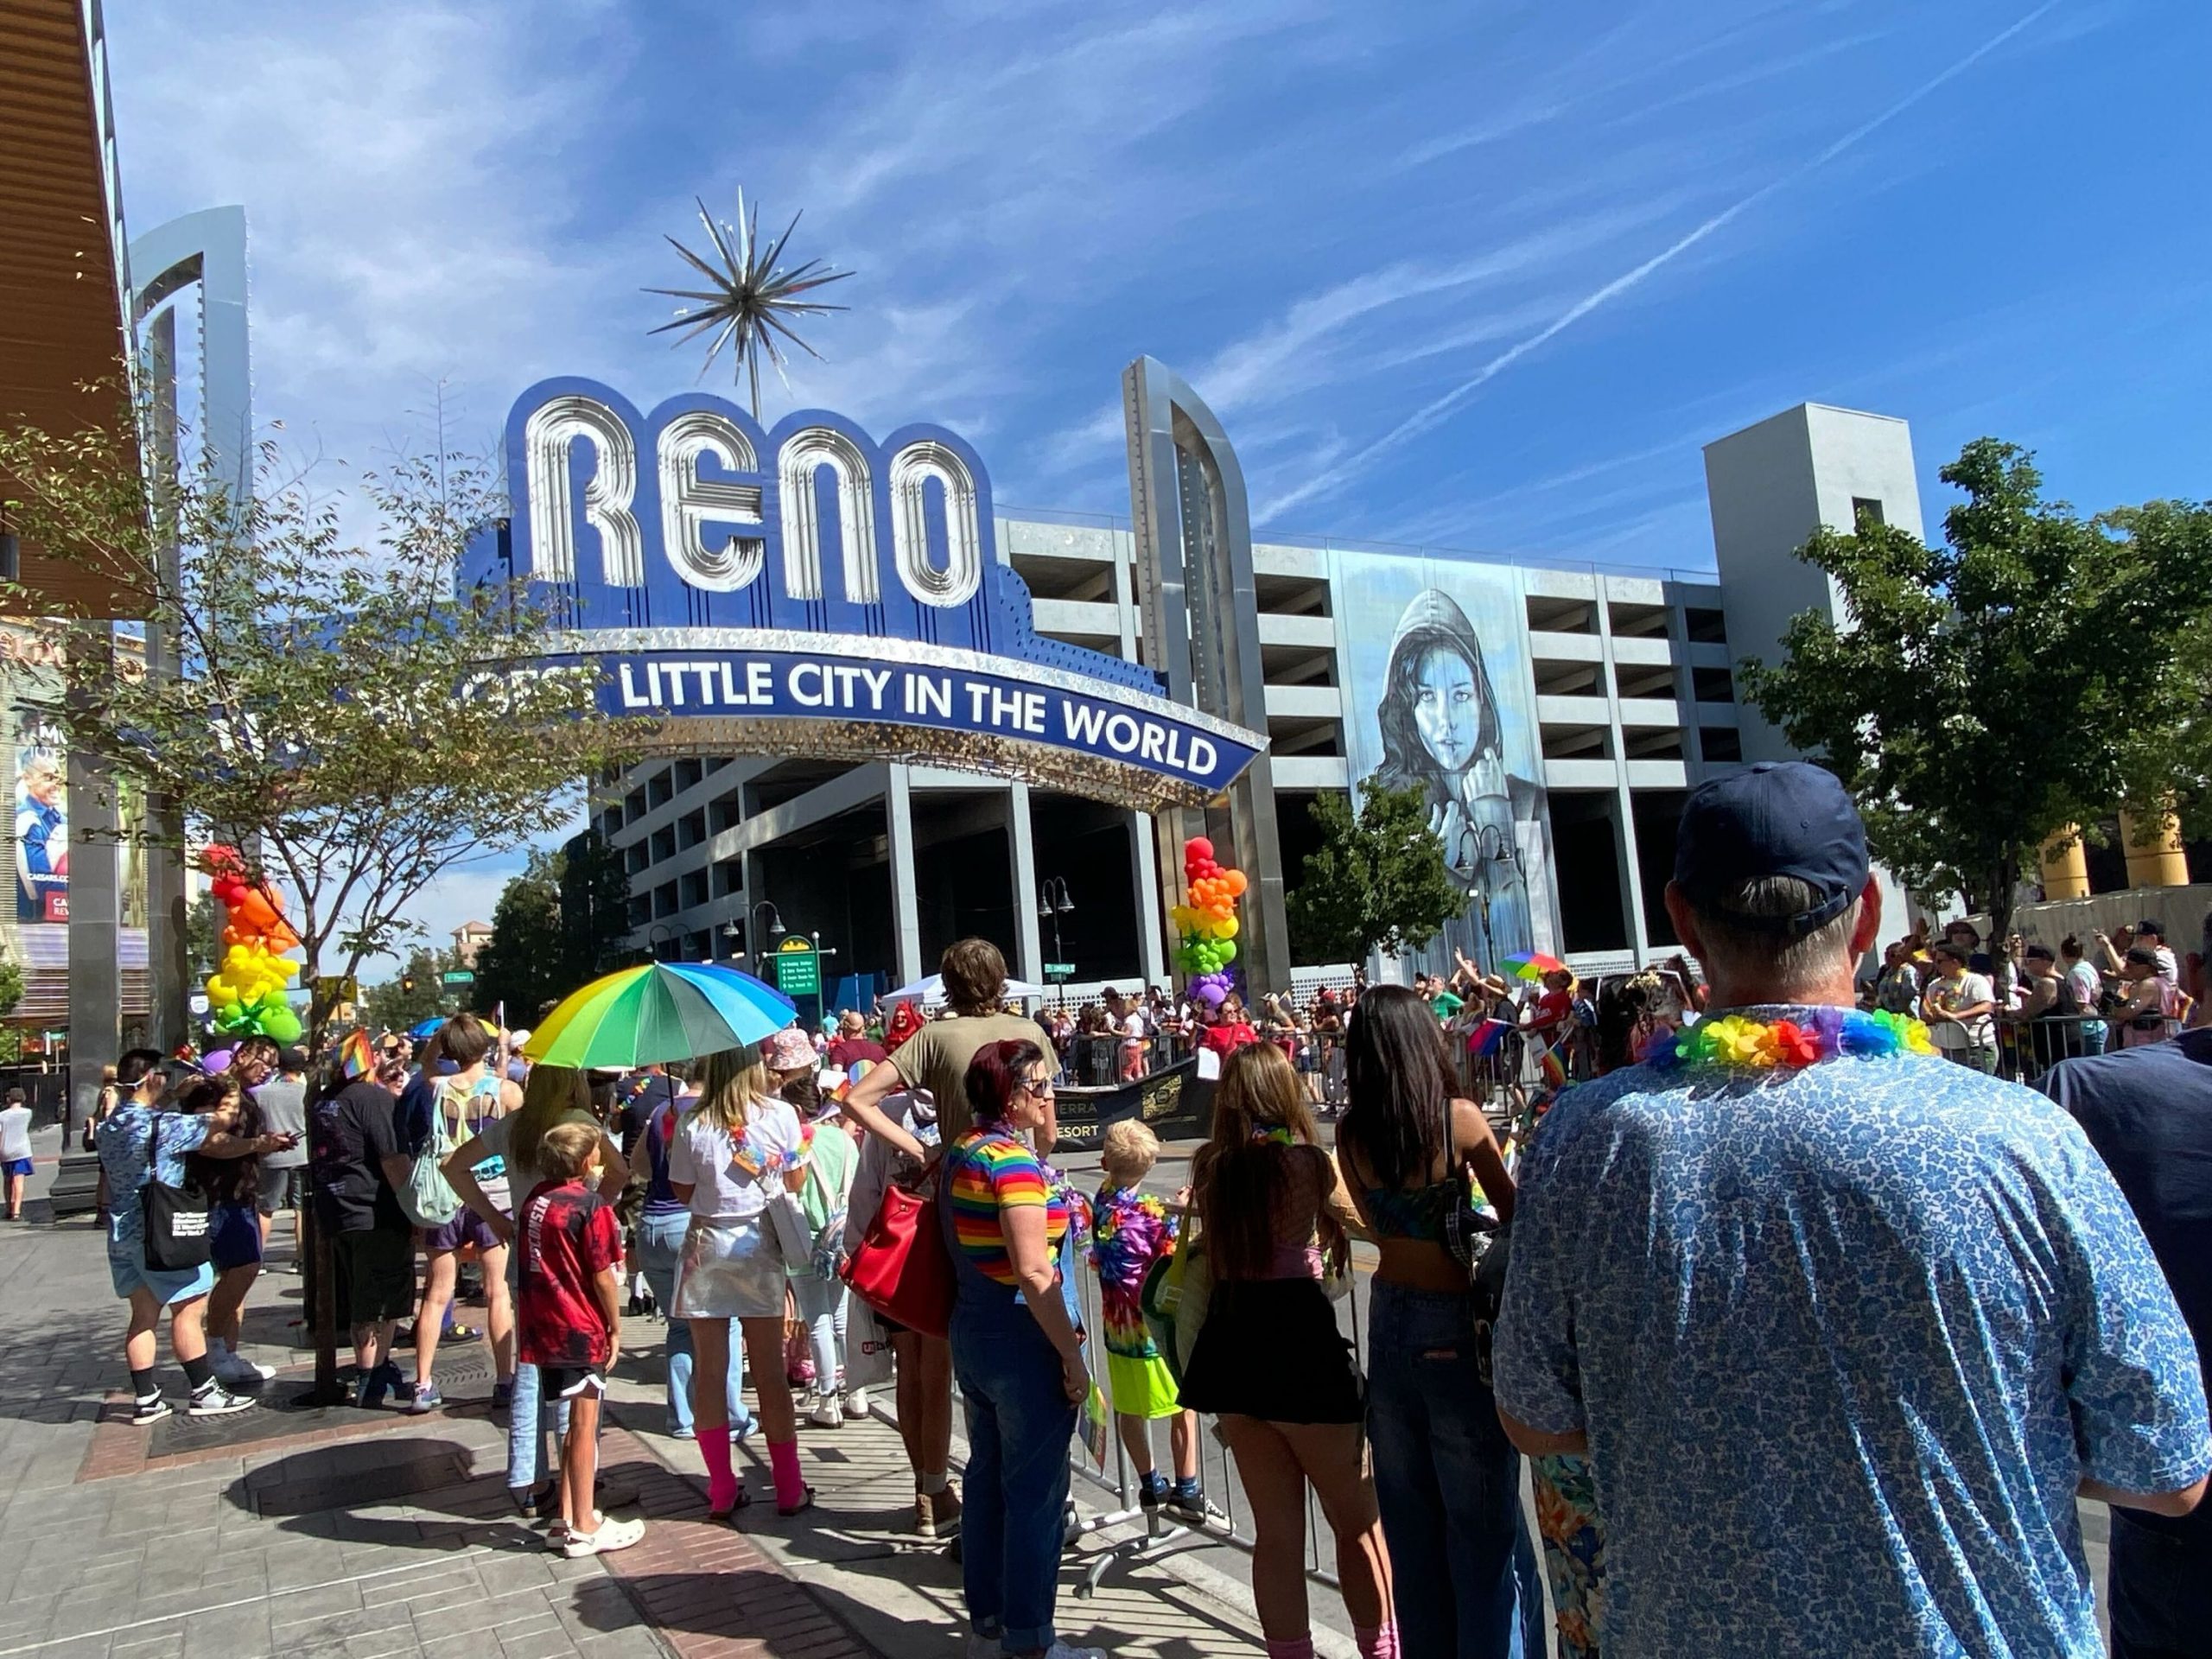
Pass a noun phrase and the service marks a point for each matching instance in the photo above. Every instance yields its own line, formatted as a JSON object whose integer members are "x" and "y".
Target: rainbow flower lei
{"x": 1736, "y": 1042}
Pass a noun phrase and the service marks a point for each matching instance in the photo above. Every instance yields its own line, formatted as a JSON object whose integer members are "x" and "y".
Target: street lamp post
{"x": 1492, "y": 847}
{"x": 1052, "y": 903}
{"x": 775, "y": 929}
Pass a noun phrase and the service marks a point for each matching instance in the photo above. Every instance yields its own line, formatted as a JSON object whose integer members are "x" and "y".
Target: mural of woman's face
{"x": 1444, "y": 707}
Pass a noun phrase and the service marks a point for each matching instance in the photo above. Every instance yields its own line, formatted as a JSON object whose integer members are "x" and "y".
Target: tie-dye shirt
{"x": 990, "y": 1171}
{"x": 1130, "y": 1231}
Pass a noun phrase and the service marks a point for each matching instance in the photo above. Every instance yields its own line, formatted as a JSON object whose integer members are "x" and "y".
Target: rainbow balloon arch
{"x": 1207, "y": 924}
{"x": 246, "y": 993}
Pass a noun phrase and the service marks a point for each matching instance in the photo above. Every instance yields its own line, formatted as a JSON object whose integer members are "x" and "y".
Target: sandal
{"x": 799, "y": 1508}
{"x": 744, "y": 1497}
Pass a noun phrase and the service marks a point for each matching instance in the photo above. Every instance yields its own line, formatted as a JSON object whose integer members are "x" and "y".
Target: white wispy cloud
{"x": 1327, "y": 480}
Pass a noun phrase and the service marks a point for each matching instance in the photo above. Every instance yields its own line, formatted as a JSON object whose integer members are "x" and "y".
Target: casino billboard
{"x": 807, "y": 590}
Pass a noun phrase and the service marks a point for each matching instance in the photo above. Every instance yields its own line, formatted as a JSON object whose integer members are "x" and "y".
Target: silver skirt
{"x": 730, "y": 1270}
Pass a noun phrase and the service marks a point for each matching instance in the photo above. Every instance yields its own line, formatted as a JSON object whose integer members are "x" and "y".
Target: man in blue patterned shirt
{"x": 1843, "y": 1329}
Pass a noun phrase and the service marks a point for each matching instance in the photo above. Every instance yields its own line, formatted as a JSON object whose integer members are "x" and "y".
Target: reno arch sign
{"x": 806, "y": 590}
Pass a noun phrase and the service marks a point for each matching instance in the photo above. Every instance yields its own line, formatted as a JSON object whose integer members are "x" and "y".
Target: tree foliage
{"x": 1378, "y": 881}
{"x": 2036, "y": 670}
{"x": 417, "y": 992}
{"x": 526, "y": 962}
{"x": 346, "y": 713}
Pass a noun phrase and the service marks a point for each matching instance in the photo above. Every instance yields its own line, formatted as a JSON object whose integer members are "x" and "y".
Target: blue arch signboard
{"x": 807, "y": 590}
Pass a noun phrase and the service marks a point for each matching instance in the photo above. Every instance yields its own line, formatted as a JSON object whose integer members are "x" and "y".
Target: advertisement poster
{"x": 42, "y": 830}
{"x": 1438, "y": 696}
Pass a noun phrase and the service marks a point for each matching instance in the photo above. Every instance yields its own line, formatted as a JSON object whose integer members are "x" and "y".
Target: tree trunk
{"x": 2004, "y": 879}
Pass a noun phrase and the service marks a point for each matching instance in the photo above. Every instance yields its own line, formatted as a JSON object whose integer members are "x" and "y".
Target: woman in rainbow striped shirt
{"x": 1015, "y": 1352}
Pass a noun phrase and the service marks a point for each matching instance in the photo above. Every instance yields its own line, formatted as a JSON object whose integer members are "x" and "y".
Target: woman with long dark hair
{"x": 1448, "y": 1479}
{"x": 1014, "y": 1350}
{"x": 1269, "y": 1360}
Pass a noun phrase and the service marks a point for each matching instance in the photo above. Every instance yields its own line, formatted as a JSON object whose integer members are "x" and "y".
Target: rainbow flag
{"x": 355, "y": 1057}
{"x": 1487, "y": 1038}
{"x": 1554, "y": 1068}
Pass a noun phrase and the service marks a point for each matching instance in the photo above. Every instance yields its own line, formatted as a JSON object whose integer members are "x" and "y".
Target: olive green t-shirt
{"x": 936, "y": 1059}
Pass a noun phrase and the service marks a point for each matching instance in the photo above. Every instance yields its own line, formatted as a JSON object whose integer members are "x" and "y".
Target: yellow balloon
{"x": 1227, "y": 930}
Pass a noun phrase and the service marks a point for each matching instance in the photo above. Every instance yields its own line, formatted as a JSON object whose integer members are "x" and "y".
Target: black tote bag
{"x": 177, "y": 1223}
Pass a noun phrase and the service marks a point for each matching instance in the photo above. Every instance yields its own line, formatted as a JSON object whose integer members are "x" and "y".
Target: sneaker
{"x": 214, "y": 1400}
{"x": 1152, "y": 1490}
{"x": 744, "y": 1430}
{"x": 369, "y": 1392}
{"x": 936, "y": 1514}
{"x": 1061, "y": 1650}
{"x": 825, "y": 1414}
{"x": 855, "y": 1405}
{"x": 503, "y": 1395}
{"x": 1188, "y": 1503}
{"x": 685, "y": 1431}
{"x": 234, "y": 1368}
{"x": 147, "y": 1412}
{"x": 401, "y": 1388}
{"x": 985, "y": 1644}
{"x": 427, "y": 1398}
{"x": 635, "y": 1308}
{"x": 610, "y": 1536}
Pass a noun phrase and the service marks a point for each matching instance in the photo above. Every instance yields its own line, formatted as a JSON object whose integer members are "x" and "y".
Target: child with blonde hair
{"x": 1130, "y": 1231}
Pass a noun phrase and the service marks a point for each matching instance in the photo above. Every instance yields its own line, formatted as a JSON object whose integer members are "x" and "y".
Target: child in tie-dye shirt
{"x": 1130, "y": 1231}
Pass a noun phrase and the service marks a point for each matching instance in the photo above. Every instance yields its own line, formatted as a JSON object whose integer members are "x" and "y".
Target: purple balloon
{"x": 1211, "y": 995}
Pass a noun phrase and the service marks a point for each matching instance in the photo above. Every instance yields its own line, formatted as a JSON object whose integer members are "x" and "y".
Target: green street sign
{"x": 799, "y": 969}
{"x": 458, "y": 976}
{"x": 1059, "y": 970}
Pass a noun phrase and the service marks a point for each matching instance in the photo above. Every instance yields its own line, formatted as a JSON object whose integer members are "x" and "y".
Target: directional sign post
{"x": 458, "y": 976}
{"x": 1062, "y": 971}
{"x": 799, "y": 969}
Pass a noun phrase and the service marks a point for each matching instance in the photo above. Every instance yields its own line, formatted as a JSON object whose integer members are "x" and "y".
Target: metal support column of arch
{"x": 1202, "y": 631}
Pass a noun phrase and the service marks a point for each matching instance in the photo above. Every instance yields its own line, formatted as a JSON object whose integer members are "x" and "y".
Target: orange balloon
{"x": 1235, "y": 881}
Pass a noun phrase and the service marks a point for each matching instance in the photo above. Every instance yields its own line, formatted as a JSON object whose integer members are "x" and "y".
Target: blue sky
{"x": 1466, "y": 274}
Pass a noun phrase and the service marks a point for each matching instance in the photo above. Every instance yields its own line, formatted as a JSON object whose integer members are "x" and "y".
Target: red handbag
{"x": 902, "y": 1269}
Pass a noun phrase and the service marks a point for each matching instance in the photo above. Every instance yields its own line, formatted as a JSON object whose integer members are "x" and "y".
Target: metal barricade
{"x": 2028, "y": 1048}
{"x": 1228, "y": 1522}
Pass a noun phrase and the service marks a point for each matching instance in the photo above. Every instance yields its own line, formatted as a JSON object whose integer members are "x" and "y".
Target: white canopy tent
{"x": 929, "y": 992}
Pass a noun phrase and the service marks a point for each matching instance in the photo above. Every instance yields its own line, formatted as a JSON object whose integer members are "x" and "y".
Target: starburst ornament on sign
{"x": 753, "y": 298}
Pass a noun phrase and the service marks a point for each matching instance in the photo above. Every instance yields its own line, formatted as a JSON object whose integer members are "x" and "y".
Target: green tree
{"x": 1378, "y": 881}
{"x": 352, "y": 715}
{"x": 417, "y": 992}
{"x": 594, "y": 905}
{"x": 523, "y": 964}
{"x": 202, "y": 945}
{"x": 11, "y": 987}
{"x": 2034, "y": 670}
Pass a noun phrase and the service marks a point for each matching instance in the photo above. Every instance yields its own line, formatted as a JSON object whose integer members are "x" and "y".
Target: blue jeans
{"x": 2160, "y": 1591}
{"x": 1463, "y": 1570}
{"x": 660, "y": 1246}
{"x": 1019, "y": 1422}
{"x": 527, "y": 1421}
{"x": 822, "y": 1305}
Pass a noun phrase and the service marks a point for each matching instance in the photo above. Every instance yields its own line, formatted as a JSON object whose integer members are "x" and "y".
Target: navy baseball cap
{"x": 1779, "y": 817}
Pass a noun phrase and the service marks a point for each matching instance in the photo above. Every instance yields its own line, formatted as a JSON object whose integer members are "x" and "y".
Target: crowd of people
{"x": 1807, "y": 1341}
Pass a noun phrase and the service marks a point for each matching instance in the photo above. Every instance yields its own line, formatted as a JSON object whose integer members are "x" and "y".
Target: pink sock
{"x": 1299, "y": 1647}
{"x": 1378, "y": 1643}
{"x": 722, "y": 1480}
{"x": 783, "y": 1458}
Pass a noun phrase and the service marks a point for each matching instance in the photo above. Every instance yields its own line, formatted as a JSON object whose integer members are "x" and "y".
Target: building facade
{"x": 1557, "y": 715}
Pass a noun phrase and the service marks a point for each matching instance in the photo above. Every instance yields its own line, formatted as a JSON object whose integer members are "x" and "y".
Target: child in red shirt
{"x": 569, "y": 1321}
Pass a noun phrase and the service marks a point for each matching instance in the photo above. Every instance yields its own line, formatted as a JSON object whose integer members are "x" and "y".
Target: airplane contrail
{"x": 1430, "y": 413}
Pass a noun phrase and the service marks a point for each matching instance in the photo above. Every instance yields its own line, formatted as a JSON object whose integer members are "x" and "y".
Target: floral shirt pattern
{"x": 1130, "y": 1231}
{"x": 1845, "y": 1339}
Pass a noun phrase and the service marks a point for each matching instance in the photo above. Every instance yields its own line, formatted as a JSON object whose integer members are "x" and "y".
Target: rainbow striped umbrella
{"x": 1533, "y": 964}
{"x": 661, "y": 1010}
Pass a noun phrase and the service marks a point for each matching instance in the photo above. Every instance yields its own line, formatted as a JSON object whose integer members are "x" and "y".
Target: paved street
{"x": 337, "y": 1533}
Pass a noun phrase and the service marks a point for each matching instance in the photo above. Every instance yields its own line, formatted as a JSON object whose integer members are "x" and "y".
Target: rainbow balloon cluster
{"x": 246, "y": 994}
{"x": 1207, "y": 924}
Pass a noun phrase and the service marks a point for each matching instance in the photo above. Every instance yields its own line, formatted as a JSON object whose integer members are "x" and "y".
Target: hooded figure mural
{"x": 1438, "y": 720}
